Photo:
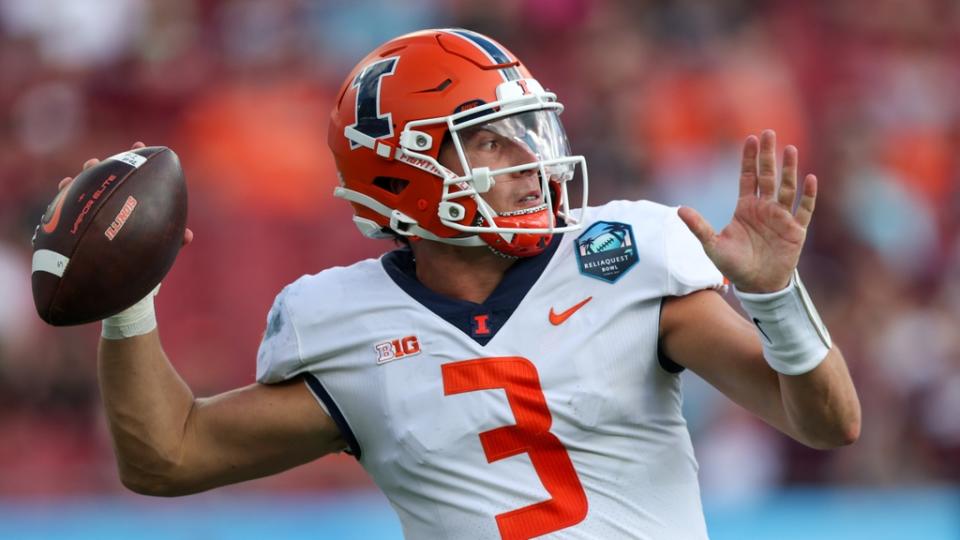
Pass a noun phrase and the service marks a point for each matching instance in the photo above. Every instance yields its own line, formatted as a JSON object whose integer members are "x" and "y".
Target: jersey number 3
{"x": 518, "y": 377}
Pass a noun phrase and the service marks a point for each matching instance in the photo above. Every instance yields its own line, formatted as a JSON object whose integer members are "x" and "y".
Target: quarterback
{"x": 512, "y": 371}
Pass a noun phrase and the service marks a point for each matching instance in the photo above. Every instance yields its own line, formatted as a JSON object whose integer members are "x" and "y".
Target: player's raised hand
{"x": 187, "y": 234}
{"x": 760, "y": 247}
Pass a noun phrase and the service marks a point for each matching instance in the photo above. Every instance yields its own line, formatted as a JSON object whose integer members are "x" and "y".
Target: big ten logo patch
{"x": 396, "y": 349}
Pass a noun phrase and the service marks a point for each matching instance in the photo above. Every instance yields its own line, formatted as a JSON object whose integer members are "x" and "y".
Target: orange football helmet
{"x": 405, "y": 99}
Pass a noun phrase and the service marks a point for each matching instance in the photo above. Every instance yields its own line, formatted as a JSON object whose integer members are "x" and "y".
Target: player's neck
{"x": 459, "y": 272}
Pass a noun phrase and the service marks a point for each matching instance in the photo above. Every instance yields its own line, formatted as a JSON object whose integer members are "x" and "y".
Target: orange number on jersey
{"x": 518, "y": 377}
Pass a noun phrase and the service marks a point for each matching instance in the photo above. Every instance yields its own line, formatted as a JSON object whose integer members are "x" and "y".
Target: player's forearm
{"x": 147, "y": 406}
{"x": 822, "y": 405}
{"x": 819, "y": 400}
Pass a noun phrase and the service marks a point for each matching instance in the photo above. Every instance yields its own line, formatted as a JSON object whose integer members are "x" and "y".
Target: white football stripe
{"x": 45, "y": 260}
{"x": 130, "y": 158}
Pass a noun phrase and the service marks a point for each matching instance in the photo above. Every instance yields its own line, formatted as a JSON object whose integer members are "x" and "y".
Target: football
{"x": 606, "y": 241}
{"x": 108, "y": 238}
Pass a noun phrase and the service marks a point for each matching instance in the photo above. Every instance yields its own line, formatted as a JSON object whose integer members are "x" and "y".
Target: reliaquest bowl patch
{"x": 606, "y": 250}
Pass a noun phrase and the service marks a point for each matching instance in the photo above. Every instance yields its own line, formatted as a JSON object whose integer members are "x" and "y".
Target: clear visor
{"x": 519, "y": 133}
{"x": 510, "y": 147}
{"x": 529, "y": 138}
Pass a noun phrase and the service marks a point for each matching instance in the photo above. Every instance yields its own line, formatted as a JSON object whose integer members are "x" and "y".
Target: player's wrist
{"x": 136, "y": 320}
{"x": 768, "y": 288}
{"x": 794, "y": 338}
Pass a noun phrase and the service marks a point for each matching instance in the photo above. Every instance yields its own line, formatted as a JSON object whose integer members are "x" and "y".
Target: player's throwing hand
{"x": 759, "y": 249}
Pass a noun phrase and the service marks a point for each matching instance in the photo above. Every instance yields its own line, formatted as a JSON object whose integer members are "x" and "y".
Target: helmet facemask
{"x": 519, "y": 136}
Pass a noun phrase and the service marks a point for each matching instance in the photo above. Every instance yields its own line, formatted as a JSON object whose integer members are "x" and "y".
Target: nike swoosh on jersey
{"x": 558, "y": 318}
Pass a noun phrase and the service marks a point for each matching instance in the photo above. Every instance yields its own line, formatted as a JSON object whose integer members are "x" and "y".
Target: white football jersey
{"x": 545, "y": 412}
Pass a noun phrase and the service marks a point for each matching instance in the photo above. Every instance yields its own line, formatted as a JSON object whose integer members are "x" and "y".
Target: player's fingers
{"x": 748, "y": 167}
{"x": 64, "y": 183}
{"x": 767, "y": 171}
{"x": 698, "y": 226}
{"x": 187, "y": 237}
{"x": 807, "y": 201}
{"x": 90, "y": 163}
{"x": 138, "y": 144}
{"x": 788, "y": 179}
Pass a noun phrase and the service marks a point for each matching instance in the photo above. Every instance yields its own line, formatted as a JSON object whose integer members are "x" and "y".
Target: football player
{"x": 512, "y": 372}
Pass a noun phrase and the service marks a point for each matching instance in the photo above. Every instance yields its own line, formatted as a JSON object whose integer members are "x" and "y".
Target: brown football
{"x": 110, "y": 237}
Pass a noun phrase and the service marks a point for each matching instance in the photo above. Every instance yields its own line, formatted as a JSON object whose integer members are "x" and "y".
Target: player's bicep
{"x": 701, "y": 332}
{"x": 255, "y": 431}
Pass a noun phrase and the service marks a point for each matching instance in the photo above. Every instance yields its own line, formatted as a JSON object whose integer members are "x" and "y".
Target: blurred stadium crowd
{"x": 659, "y": 96}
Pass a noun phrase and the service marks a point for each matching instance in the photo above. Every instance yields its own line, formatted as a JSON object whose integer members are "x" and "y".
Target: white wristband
{"x": 136, "y": 320}
{"x": 794, "y": 338}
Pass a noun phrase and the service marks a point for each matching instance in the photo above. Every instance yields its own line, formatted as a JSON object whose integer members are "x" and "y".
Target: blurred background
{"x": 659, "y": 96}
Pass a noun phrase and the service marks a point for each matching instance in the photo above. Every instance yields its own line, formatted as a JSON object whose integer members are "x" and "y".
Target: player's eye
{"x": 488, "y": 144}
{"x": 483, "y": 140}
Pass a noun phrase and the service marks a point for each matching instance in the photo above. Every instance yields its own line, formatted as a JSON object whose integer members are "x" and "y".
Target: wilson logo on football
{"x": 396, "y": 349}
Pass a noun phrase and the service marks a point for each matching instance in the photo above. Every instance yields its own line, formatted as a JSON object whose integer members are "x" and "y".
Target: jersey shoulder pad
{"x": 311, "y": 301}
{"x": 666, "y": 242}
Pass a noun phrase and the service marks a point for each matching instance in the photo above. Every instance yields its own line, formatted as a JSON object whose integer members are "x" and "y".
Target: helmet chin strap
{"x": 409, "y": 225}
{"x": 506, "y": 244}
{"x": 521, "y": 244}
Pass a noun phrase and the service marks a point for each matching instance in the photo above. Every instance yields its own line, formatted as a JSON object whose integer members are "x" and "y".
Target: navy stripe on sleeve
{"x": 318, "y": 390}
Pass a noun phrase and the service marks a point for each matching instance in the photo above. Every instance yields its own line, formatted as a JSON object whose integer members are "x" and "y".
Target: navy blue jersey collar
{"x": 479, "y": 321}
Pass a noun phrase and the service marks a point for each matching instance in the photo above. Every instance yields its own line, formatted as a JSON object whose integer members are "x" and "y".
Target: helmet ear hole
{"x": 391, "y": 184}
